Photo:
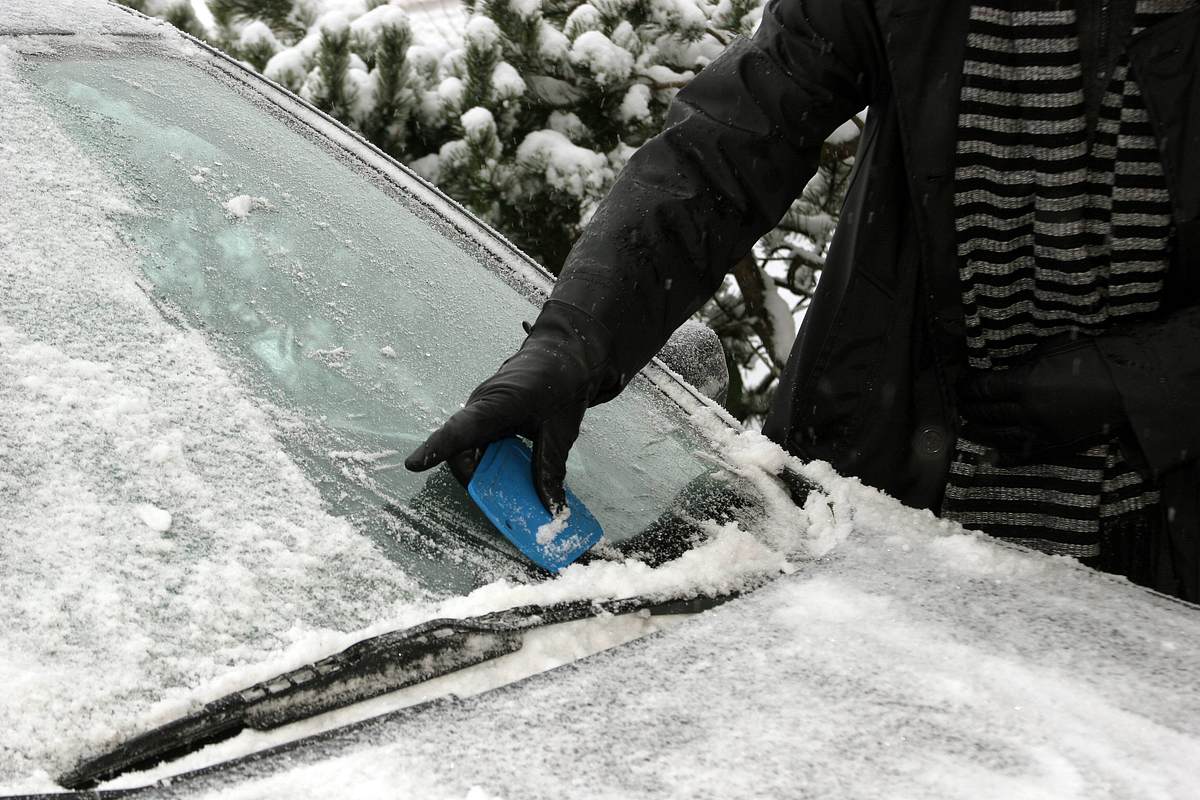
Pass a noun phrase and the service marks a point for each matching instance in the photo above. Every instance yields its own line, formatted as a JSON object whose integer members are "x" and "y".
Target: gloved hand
{"x": 1061, "y": 399}
{"x": 541, "y": 393}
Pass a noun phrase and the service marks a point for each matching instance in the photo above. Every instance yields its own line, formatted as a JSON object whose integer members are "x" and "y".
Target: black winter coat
{"x": 869, "y": 383}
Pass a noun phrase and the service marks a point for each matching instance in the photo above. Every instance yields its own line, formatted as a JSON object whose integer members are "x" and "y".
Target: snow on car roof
{"x": 80, "y": 17}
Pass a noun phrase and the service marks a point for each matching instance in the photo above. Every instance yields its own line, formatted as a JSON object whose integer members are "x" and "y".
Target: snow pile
{"x": 636, "y": 105}
{"x": 369, "y": 28}
{"x": 783, "y": 324}
{"x": 731, "y": 559}
{"x": 507, "y": 82}
{"x": 289, "y": 65}
{"x": 482, "y": 32}
{"x": 681, "y": 14}
{"x": 848, "y": 131}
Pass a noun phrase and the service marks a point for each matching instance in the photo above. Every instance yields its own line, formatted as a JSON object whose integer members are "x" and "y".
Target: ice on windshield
{"x": 153, "y": 531}
{"x": 208, "y": 377}
{"x": 362, "y": 319}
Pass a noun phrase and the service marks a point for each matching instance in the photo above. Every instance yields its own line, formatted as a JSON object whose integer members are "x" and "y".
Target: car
{"x": 225, "y": 318}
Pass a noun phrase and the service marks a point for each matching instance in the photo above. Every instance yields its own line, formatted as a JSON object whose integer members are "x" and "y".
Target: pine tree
{"x": 529, "y": 120}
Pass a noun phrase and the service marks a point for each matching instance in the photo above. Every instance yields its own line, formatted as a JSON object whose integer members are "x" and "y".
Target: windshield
{"x": 359, "y": 317}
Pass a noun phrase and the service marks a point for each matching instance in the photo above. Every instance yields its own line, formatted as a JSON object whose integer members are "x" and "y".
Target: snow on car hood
{"x": 913, "y": 660}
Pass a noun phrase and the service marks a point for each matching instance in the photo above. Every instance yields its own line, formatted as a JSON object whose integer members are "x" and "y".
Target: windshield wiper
{"x": 363, "y": 670}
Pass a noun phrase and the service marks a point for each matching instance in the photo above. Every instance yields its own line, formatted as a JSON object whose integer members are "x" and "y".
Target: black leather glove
{"x": 1061, "y": 399}
{"x": 540, "y": 393}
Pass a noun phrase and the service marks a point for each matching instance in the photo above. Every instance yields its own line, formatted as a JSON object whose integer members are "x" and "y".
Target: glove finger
{"x": 463, "y": 465}
{"x": 478, "y": 425}
{"x": 550, "y": 449}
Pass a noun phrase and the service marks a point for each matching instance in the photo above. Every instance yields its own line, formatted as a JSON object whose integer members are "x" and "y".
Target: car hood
{"x": 912, "y": 660}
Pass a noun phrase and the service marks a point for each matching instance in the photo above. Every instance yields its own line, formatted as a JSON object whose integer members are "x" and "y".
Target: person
{"x": 1006, "y": 328}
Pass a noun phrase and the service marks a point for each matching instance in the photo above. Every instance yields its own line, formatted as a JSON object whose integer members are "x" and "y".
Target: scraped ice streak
{"x": 153, "y": 535}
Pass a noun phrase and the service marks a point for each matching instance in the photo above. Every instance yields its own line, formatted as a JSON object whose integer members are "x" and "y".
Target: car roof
{"x": 74, "y": 17}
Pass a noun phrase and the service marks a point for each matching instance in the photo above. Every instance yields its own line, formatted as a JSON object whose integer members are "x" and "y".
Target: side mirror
{"x": 694, "y": 352}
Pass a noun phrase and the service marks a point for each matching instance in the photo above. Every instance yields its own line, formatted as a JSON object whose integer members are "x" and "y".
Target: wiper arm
{"x": 363, "y": 670}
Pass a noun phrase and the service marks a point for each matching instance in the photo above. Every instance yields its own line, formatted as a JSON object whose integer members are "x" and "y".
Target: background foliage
{"x": 528, "y": 117}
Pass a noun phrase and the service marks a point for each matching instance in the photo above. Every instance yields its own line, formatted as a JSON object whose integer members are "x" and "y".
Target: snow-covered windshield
{"x": 217, "y": 340}
{"x": 361, "y": 318}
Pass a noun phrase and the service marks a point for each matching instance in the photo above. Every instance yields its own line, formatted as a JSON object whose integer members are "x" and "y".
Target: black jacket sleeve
{"x": 741, "y": 141}
{"x": 1156, "y": 368}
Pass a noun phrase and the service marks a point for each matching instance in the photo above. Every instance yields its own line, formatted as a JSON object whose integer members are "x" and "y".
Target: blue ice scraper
{"x": 502, "y": 487}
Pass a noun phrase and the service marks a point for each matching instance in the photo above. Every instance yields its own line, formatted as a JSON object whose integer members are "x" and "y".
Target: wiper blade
{"x": 363, "y": 670}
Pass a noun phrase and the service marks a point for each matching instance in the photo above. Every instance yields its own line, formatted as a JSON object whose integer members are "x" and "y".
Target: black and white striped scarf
{"x": 1059, "y": 229}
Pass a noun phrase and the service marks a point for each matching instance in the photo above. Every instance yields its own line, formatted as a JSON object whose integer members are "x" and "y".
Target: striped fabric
{"x": 1060, "y": 228}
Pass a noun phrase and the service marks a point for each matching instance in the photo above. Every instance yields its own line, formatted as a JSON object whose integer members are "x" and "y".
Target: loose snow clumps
{"x": 240, "y": 206}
